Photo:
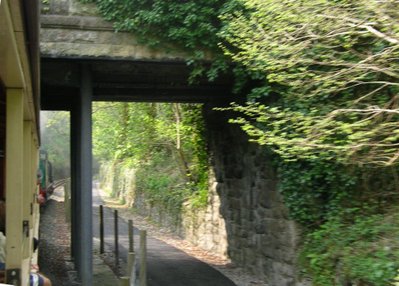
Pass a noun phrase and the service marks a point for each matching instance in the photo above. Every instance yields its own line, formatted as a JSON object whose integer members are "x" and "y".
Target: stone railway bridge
{"x": 84, "y": 60}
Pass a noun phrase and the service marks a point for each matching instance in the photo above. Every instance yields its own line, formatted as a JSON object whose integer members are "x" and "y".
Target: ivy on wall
{"x": 191, "y": 26}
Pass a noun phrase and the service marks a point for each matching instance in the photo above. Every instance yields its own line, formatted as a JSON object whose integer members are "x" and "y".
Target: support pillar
{"x": 75, "y": 126}
{"x": 84, "y": 203}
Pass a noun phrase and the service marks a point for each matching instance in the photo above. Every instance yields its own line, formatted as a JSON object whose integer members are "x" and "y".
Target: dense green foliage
{"x": 329, "y": 108}
{"x": 363, "y": 250}
{"x": 334, "y": 67}
{"x": 335, "y": 73}
{"x": 315, "y": 190}
{"x": 159, "y": 145}
{"x": 325, "y": 101}
{"x": 193, "y": 23}
{"x": 190, "y": 26}
{"x": 351, "y": 227}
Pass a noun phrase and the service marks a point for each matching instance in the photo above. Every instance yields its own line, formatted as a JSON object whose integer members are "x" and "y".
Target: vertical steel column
{"x": 84, "y": 204}
{"x": 75, "y": 179}
{"x": 101, "y": 210}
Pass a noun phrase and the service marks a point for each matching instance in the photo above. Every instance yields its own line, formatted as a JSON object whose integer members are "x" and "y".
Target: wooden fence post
{"x": 101, "y": 229}
{"x": 131, "y": 270}
{"x": 131, "y": 237}
{"x": 116, "y": 238}
{"x": 143, "y": 258}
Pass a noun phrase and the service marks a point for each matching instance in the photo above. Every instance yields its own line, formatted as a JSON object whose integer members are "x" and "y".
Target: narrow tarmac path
{"x": 166, "y": 265}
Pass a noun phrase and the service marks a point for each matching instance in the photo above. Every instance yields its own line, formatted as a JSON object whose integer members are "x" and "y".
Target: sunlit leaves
{"x": 163, "y": 143}
{"x": 334, "y": 67}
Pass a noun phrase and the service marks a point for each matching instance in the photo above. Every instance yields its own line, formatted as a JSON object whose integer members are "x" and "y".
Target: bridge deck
{"x": 122, "y": 68}
{"x": 127, "y": 80}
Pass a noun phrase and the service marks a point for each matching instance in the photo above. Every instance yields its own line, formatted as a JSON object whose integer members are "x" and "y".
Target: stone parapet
{"x": 72, "y": 29}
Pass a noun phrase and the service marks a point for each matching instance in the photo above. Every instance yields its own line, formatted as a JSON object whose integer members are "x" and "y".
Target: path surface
{"x": 167, "y": 265}
{"x": 54, "y": 243}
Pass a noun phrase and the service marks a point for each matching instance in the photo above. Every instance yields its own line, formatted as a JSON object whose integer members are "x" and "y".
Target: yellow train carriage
{"x": 19, "y": 133}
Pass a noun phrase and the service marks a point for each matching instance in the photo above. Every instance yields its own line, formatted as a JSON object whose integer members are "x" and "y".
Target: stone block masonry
{"x": 260, "y": 236}
{"x": 70, "y": 29}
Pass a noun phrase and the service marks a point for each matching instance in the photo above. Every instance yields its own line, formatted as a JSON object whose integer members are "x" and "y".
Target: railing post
{"x": 143, "y": 258}
{"x": 116, "y": 238}
{"x": 101, "y": 229}
{"x": 131, "y": 237}
{"x": 131, "y": 270}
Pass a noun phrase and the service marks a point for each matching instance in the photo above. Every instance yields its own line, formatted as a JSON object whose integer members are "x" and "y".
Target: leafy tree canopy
{"x": 334, "y": 66}
{"x": 162, "y": 143}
